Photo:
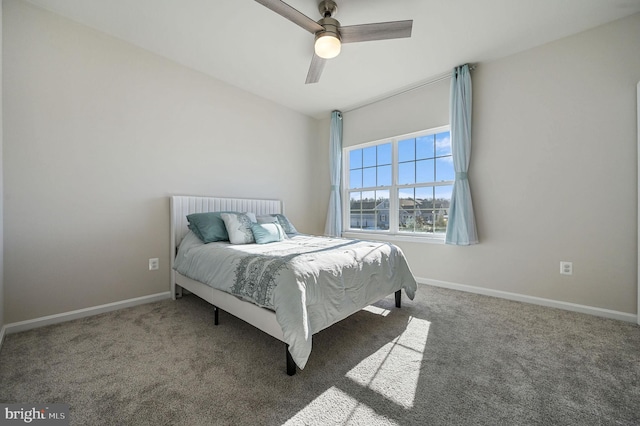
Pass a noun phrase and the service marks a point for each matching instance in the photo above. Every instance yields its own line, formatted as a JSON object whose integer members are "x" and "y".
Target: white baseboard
{"x": 81, "y": 313}
{"x": 622, "y": 316}
{"x": 16, "y": 327}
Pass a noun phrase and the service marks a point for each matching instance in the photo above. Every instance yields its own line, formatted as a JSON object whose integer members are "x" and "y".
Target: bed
{"x": 289, "y": 289}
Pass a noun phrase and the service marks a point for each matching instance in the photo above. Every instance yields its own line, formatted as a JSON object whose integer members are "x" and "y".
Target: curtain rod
{"x": 433, "y": 80}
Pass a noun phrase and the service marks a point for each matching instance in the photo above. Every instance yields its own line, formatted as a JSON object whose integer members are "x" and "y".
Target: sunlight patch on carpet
{"x": 345, "y": 409}
{"x": 376, "y": 310}
{"x": 394, "y": 370}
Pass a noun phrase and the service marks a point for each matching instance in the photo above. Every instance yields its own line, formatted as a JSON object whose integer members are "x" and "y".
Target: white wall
{"x": 98, "y": 133}
{"x": 553, "y": 169}
{"x": 2, "y": 322}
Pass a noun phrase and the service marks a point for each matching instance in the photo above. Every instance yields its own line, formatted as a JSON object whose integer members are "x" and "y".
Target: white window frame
{"x": 393, "y": 233}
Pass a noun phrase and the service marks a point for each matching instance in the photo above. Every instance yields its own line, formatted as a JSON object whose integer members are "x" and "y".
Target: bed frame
{"x": 261, "y": 318}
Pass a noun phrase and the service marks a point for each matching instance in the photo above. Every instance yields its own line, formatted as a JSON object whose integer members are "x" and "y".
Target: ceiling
{"x": 248, "y": 46}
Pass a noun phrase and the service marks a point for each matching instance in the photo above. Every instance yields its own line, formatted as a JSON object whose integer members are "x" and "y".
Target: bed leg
{"x": 215, "y": 315}
{"x": 291, "y": 366}
{"x": 398, "y": 299}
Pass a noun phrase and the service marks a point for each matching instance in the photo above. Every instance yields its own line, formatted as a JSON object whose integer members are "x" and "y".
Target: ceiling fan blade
{"x": 315, "y": 69}
{"x": 378, "y": 31}
{"x": 298, "y": 18}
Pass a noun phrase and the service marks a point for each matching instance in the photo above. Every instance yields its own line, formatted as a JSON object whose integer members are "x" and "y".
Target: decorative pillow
{"x": 209, "y": 227}
{"x": 267, "y": 232}
{"x": 286, "y": 224}
{"x": 238, "y": 227}
{"x": 267, "y": 218}
{"x": 281, "y": 219}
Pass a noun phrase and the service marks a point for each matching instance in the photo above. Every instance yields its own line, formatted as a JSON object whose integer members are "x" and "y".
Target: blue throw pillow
{"x": 281, "y": 219}
{"x": 209, "y": 227}
{"x": 286, "y": 224}
{"x": 267, "y": 232}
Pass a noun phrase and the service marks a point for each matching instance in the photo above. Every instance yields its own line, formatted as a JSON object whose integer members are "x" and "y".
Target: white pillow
{"x": 238, "y": 227}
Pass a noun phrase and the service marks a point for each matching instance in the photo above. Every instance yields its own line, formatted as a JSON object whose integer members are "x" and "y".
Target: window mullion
{"x": 393, "y": 192}
{"x": 345, "y": 190}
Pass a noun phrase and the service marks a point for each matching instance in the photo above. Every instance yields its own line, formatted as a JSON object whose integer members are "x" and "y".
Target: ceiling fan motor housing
{"x": 330, "y": 27}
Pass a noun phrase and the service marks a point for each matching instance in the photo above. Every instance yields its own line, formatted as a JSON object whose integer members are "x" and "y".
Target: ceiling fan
{"x": 329, "y": 34}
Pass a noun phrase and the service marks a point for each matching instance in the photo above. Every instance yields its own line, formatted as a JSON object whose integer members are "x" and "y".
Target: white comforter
{"x": 310, "y": 282}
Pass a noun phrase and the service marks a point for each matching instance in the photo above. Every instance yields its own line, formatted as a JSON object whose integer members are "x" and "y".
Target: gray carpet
{"x": 445, "y": 358}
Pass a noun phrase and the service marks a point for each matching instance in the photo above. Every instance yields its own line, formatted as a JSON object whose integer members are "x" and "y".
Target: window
{"x": 400, "y": 186}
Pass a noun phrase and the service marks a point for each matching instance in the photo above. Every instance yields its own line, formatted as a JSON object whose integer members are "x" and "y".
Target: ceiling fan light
{"x": 327, "y": 45}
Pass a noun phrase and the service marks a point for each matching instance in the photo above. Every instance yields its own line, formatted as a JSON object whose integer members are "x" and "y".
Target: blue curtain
{"x": 461, "y": 228}
{"x": 333, "y": 226}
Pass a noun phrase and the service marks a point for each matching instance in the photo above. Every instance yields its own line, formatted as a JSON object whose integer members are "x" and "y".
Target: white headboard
{"x": 183, "y": 205}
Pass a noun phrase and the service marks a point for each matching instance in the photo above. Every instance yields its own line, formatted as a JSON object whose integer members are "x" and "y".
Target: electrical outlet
{"x": 566, "y": 268}
{"x": 154, "y": 264}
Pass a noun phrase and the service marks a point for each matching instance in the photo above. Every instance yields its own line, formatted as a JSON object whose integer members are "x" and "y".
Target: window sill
{"x": 393, "y": 237}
